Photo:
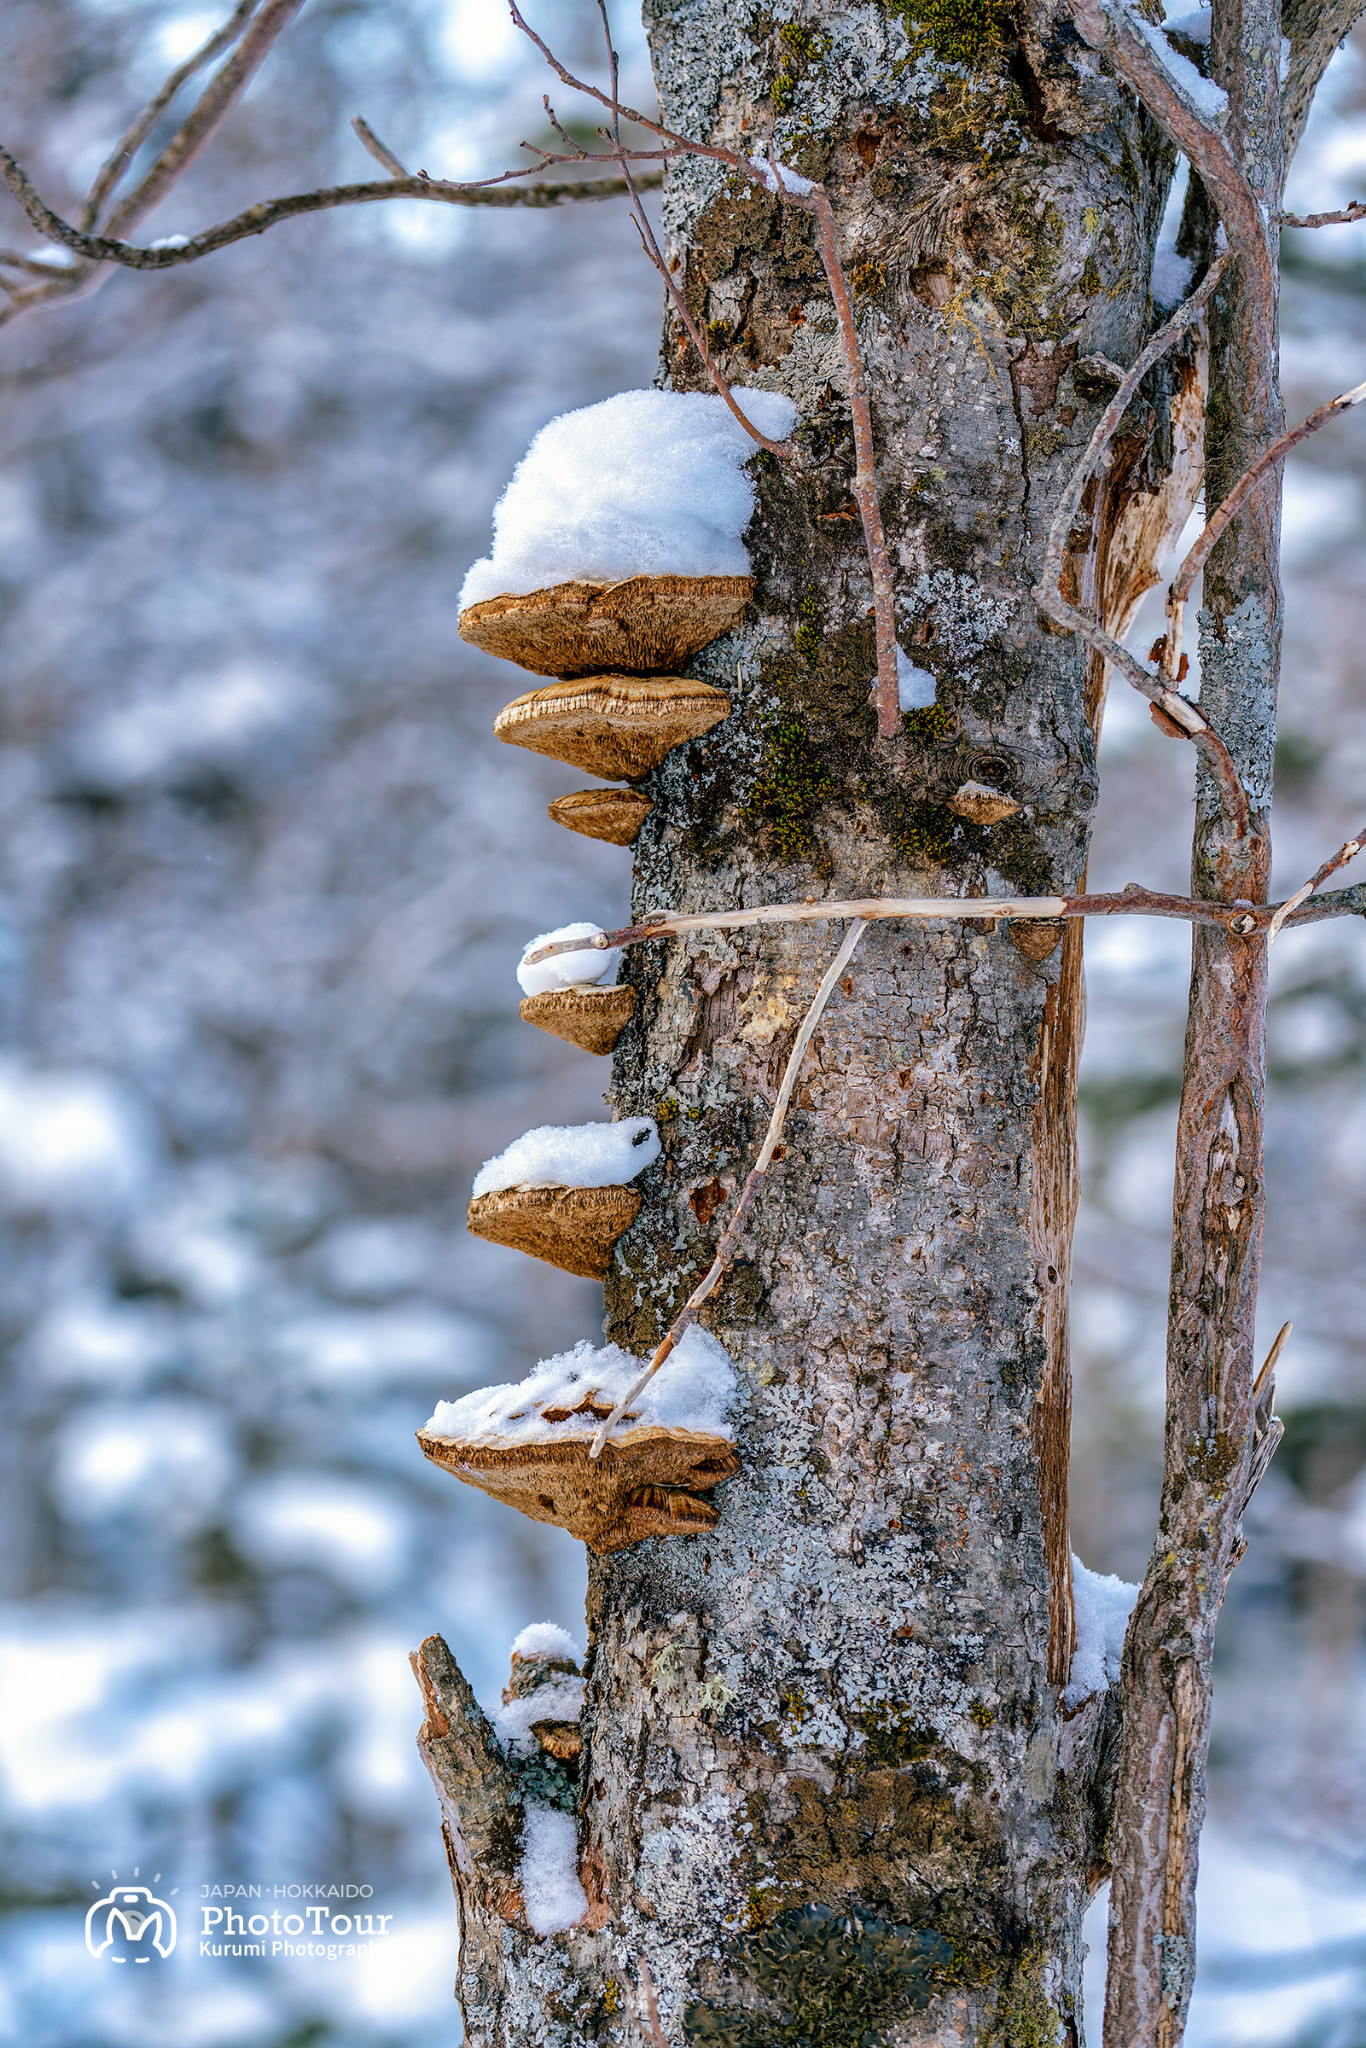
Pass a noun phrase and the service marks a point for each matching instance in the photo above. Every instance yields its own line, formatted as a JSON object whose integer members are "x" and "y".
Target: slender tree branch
{"x": 730, "y": 1240}
{"x": 1348, "y": 851}
{"x": 652, "y": 250}
{"x": 1314, "y": 30}
{"x": 128, "y": 145}
{"x": 1241, "y": 920}
{"x": 1356, "y": 211}
{"x": 377, "y": 149}
{"x": 1219, "y": 520}
{"x": 865, "y": 473}
{"x": 499, "y": 191}
{"x": 648, "y": 2021}
{"x": 195, "y": 132}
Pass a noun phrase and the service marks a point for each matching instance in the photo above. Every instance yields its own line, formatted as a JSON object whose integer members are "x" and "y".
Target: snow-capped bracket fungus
{"x": 617, "y": 726}
{"x": 568, "y": 995}
{"x": 615, "y": 815}
{"x": 648, "y": 624}
{"x": 560, "y": 1192}
{"x": 528, "y": 1444}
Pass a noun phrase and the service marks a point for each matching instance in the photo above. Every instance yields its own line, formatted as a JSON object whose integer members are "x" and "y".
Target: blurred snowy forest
{"x": 266, "y": 875}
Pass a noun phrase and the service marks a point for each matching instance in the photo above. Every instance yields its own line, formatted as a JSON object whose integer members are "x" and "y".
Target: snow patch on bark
{"x": 551, "y": 1892}
{"x": 1102, "y": 1605}
{"x": 560, "y": 1699}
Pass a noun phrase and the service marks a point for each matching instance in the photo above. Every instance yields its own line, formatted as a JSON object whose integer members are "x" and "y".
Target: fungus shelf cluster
{"x": 617, "y": 557}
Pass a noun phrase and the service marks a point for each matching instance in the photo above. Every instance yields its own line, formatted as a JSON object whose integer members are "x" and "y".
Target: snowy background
{"x": 266, "y": 877}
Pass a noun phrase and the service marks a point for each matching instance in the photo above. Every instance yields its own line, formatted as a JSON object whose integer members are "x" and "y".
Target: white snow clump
{"x": 915, "y": 687}
{"x": 559, "y": 1699}
{"x": 1209, "y": 100}
{"x": 545, "y": 1639}
{"x": 693, "y": 1389}
{"x": 568, "y": 970}
{"x": 649, "y": 483}
{"x": 1171, "y": 278}
{"x": 792, "y": 181}
{"x": 1102, "y": 1605}
{"x": 551, "y": 1892}
{"x": 573, "y": 1156}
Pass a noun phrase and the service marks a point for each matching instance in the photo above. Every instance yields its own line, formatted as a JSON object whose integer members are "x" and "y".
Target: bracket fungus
{"x": 560, "y": 1192}
{"x": 592, "y": 1018}
{"x": 981, "y": 804}
{"x": 617, "y": 726}
{"x": 528, "y": 1444}
{"x": 653, "y": 624}
{"x": 615, "y": 815}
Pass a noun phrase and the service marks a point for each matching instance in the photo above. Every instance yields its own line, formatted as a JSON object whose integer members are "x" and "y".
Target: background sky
{"x": 265, "y": 878}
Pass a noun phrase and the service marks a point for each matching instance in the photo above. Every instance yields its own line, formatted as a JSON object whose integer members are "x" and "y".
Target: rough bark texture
{"x": 844, "y": 1700}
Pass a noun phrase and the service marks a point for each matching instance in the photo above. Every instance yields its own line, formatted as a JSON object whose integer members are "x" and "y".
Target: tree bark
{"x": 828, "y": 1791}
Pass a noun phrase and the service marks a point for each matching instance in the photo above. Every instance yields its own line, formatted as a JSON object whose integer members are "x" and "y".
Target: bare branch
{"x": 648, "y": 2022}
{"x": 195, "y": 132}
{"x": 1242, "y": 920}
{"x": 1112, "y": 29}
{"x": 1314, "y": 30}
{"x": 499, "y": 191}
{"x": 123, "y": 152}
{"x": 1233, "y": 504}
{"x": 1356, "y": 211}
{"x": 650, "y": 245}
{"x": 377, "y": 149}
{"x": 1348, "y": 851}
{"x": 865, "y": 473}
{"x": 730, "y": 1240}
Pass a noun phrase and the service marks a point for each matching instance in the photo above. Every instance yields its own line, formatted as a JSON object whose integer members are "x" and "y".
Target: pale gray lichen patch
{"x": 1238, "y": 695}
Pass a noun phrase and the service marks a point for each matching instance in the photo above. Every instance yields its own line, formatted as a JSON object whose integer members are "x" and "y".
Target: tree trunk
{"x": 828, "y": 1791}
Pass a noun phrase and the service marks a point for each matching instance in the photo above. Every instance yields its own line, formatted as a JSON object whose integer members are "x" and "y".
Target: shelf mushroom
{"x": 646, "y": 625}
{"x": 617, "y": 726}
{"x": 567, "y": 995}
{"x": 528, "y": 1444}
{"x": 618, "y": 555}
{"x": 615, "y": 815}
{"x": 561, "y": 1193}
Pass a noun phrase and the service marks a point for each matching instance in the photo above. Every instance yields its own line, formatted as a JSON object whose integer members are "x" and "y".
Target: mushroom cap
{"x": 982, "y": 804}
{"x": 651, "y": 623}
{"x": 573, "y": 1228}
{"x": 645, "y": 1483}
{"x": 1036, "y": 937}
{"x": 615, "y": 726}
{"x": 593, "y": 1018}
{"x": 615, "y": 815}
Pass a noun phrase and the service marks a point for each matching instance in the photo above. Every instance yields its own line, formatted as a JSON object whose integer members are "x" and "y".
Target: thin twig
{"x": 865, "y": 475}
{"x": 1243, "y": 920}
{"x": 377, "y": 149}
{"x": 649, "y": 2021}
{"x": 730, "y": 1240}
{"x": 1178, "y": 710}
{"x": 131, "y": 141}
{"x": 1219, "y": 519}
{"x": 1356, "y": 211}
{"x": 652, "y": 250}
{"x": 1348, "y": 851}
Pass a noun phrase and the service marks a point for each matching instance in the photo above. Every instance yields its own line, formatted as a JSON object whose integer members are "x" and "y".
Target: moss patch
{"x": 965, "y": 32}
{"x": 831, "y": 1978}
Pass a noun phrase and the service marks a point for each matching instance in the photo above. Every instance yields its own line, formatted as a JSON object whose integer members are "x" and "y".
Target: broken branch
{"x": 730, "y": 1240}
{"x": 1348, "y": 851}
